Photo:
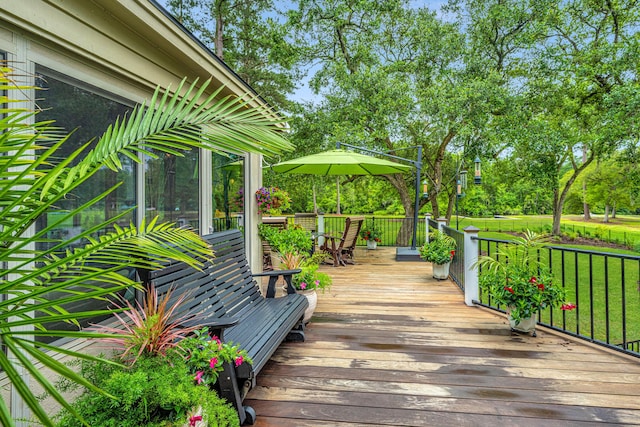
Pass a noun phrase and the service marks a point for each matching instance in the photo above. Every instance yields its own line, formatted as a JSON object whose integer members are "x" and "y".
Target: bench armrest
{"x": 216, "y": 325}
{"x": 273, "y": 278}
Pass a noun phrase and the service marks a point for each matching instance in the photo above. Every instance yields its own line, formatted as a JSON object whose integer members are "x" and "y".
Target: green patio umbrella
{"x": 340, "y": 162}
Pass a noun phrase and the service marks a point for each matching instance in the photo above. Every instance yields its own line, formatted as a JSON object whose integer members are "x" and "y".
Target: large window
{"x": 87, "y": 114}
{"x": 228, "y": 192}
{"x": 79, "y": 108}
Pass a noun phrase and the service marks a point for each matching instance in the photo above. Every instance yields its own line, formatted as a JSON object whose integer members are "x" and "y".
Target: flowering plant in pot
{"x": 272, "y": 200}
{"x": 516, "y": 276}
{"x": 440, "y": 249}
{"x": 371, "y": 232}
{"x": 308, "y": 281}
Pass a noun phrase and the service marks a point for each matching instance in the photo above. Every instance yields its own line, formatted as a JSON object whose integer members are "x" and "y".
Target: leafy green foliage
{"x": 310, "y": 279}
{"x": 294, "y": 239}
{"x": 155, "y": 391}
{"x": 515, "y": 277}
{"x": 440, "y": 249}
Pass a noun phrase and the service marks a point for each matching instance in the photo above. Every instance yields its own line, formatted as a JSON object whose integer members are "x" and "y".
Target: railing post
{"x": 471, "y": 286}
{"x": 442, "y": 221}
{"x": 427, "y": 217}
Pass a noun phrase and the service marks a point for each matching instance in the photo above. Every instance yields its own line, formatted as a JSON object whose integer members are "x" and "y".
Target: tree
{"x": 86, "y": 267}
{"x": 248, "y": 36}
{"x": 396, "y": 77}
{"x": 577, "y": 74}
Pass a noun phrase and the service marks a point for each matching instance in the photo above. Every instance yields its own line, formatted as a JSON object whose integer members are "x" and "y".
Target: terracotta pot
{"x": 441, "y": 271}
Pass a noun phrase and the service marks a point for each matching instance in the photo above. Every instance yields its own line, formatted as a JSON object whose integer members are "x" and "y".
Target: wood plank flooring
{"x": 390, "y": 346}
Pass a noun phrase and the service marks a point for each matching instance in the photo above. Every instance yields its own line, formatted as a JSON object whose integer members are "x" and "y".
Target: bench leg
{"x": 229, "y": 390}
{"x": 297, "y": 333}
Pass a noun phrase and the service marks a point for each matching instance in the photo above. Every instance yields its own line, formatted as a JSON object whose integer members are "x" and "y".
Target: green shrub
{"x": 154, "y": 392}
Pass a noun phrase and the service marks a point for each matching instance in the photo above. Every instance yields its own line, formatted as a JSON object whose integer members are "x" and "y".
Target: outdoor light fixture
{"x": 477, "y": 176}
{"x": 425, "y": 188}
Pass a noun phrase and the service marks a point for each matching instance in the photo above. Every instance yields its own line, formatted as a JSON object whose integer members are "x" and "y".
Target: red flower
{"x": 541, "y": 286}
{"x": 453, "y": 253}
{"x": 568, "y": 307}
{"x": 194, "y": 419}
{"x": 507, "y": 288}
{"x": 533, "y": 280}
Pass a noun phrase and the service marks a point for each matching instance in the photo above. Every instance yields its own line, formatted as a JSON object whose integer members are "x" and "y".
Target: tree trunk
{"x": 559, "y": 197}
{"x": 219, "y": 31}
{"x": 585, "y": 205}
{"x": 606, "y": 214}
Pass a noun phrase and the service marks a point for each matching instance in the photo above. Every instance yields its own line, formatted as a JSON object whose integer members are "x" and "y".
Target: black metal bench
{"x": 225, "y": 297}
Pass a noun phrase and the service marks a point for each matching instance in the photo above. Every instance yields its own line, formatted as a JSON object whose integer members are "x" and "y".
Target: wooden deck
{"x": 390, "y": 346}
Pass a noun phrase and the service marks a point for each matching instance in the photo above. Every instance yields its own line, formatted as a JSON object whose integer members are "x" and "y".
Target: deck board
{"x": 390, "y": 346}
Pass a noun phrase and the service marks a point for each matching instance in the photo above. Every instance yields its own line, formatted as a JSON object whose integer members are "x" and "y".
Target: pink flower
{"x": 213, "y": 362}
{"x": 239, "y": 360}
{"x": 303, "y": 286}
{"x": 568, "y": 307}
{"x": 194, "y": 419}
{"x": 317, "y": 282}
{"x": 198, "y": 377}
{"x": 217, "y": 340}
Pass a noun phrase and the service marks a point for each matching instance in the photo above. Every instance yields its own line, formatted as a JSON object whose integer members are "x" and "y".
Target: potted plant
{"x": 440, "y": 251}
{"x": 371, "y": 234}
{"x": 272, "y": 200}
{"x": 515, "y": 276}
{"x": 285, "y": 242}
{"x": 308, "y": 282}
{"x": 162, "y": 372}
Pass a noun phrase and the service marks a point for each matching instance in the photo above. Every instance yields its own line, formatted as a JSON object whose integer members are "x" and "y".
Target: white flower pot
{"x": 441, "y": 271}
{"x": 527, "y": 325}
{"x": 276, "y": 261}
{"x": 372, "y": 244}
{"x": 312, "y": 297}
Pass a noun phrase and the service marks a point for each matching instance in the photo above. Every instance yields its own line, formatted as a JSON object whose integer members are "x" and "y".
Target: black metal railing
{"x": 227, "y": 223}
{"x": 604, "y": 286}
{"x": 388, "y": 225}
{"x": 456, "y": 269}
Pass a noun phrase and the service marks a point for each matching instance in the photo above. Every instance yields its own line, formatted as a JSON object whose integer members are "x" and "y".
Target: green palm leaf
{"x": 172, "y": 122}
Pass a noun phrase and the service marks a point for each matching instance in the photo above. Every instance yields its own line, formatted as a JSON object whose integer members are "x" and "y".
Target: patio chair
{"x": 341, "y": 248}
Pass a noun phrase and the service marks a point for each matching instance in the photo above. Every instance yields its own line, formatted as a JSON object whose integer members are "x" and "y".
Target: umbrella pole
{"x": 315, "y": 200}
{"x": 338, "y": 193}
